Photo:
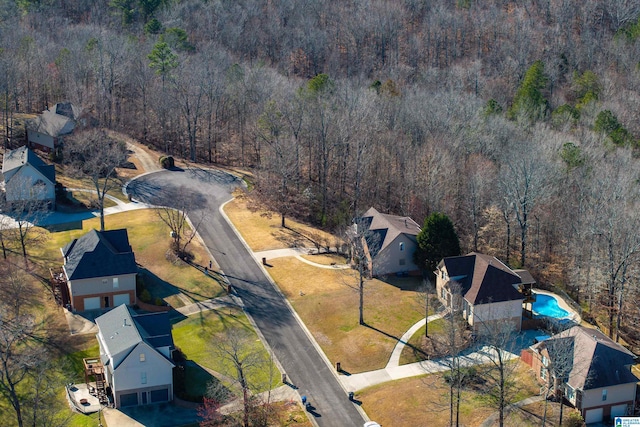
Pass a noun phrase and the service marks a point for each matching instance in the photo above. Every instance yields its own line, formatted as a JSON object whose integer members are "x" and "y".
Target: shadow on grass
{"x": 410, "y": 283}
{"x": 416, "y": 350}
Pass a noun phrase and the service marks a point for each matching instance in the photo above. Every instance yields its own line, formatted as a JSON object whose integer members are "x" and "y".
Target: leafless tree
{"x": 236, "y": 347}
{"x": 181, "y": 209}
{"x": 94, "y": 155}
{"x": 524, "y": 182}
{"x": 23, "y": 354}
{"x": 499, "y": 338}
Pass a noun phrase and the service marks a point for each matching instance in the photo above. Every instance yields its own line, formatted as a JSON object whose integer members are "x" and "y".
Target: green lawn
{"x": 149, "y": 238}
{"x": 198, "y": 334}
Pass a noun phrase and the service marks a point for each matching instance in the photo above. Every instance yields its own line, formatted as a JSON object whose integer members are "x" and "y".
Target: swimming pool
{"x": 547, "y": 305}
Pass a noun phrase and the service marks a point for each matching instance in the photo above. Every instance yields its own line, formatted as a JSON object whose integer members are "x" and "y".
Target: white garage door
{"x": 618, "y": 410}
{"x": 92, "y": 303}
{"x": 120, "y": 299}
{"x": 593, "y": 416}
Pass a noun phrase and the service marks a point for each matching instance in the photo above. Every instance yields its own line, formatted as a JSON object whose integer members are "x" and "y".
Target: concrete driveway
{"x": 297, "y": 353}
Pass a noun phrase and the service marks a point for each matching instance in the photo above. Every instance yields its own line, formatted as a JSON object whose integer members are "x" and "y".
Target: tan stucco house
{"x": 482, "y": 288}
{"x": 389, "y": 242}
{"x": 100, "y": 270}
{"x": 27, "y": 177}
{"x": 136, "y": 355}
{"x": 599, "y": 380}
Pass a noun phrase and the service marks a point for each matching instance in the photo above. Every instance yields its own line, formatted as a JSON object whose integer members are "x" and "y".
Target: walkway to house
{"x": 296, "y": 252}
{"x": 394, "y": 360}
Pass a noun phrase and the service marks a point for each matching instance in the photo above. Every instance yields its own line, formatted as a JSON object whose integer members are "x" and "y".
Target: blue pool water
{"x": 546, "y": 305}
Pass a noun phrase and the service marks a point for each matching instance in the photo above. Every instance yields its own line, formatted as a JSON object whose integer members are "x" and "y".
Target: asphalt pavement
{"x": 306, "y": 368}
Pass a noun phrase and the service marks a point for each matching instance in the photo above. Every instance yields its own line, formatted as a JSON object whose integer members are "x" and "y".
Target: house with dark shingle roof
{"x": 100, "y": 270}
{"x": 136, "y": 354}
{"x": 482, "y": 288}
{"x": 27, "y": 177}
{"x": 389, "y": 242}
{"x": 599, "y": 382}
{"x": 46, "y": 132}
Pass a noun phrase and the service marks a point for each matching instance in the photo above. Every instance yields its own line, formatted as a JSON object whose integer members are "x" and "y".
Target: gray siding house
{"x": 135, "y": 351}
{"x": 27, "y": 177}
{"x": 46, "y": 132}
{"x": 100, "y": 270}
{"x": 389, "y": 242}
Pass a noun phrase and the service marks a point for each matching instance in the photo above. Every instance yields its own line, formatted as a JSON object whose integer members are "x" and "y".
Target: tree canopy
{"x": 436, "y": 240}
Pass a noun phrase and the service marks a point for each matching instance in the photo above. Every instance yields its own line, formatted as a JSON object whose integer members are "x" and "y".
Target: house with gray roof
{"x": 100, "y": 270}
{"x": 482, "y": 288}
{"x": 46, "y": 132}
{"x": 597, "y": 372}
{"x": 136, "y": 356}
{"x": 389, "y": 242}
{"x": 27, "y": 177}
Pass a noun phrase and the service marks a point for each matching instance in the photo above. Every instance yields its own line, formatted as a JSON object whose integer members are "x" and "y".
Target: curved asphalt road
{"x": 301, "y": 361}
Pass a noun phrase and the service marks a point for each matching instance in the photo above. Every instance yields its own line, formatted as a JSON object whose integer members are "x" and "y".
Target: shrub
{"x": 145, "y": 296}
{"x": 159, "y": 301}
{"x": 167, "y": 162}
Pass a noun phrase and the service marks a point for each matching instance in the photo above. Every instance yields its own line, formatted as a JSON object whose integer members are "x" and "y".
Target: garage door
{"x": 120, "y": 299}
{"x": 618, "y": 410}
{"x": 92, "y": 303}
{"x": 160, "y": 395}
{"x": 130, "y": 399}
{"x": 593, "y": 416}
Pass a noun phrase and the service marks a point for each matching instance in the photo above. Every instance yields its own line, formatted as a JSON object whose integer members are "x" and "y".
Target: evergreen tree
{"x": 529, "y": 101}
{"x": 436, "y": 240}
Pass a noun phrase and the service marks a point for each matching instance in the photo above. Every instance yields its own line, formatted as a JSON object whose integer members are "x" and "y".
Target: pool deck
{"x": 573, "y": 315}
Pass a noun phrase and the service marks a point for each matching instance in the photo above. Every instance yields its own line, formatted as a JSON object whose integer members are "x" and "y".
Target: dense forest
{"x": 520, "y": 120}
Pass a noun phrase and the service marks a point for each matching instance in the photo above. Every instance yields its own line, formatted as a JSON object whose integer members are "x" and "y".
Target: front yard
{"x": 177, "y": 283}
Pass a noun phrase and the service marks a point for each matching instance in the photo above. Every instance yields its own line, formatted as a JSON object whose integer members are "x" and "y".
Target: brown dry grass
{"x": 326, "y": 259}
{"x": 329, "y": 308}
{"x": 423, "y": 401}
{"x": 262, "y": 231}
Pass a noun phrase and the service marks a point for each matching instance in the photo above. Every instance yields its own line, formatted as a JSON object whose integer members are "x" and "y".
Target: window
{"x": 116, "y": 282}
{"x": 142, "y": 357}
{"x": 401, "y": 246}
{"x": 402, "y": 261}
{"x": 104, "y": 281}
{"x": 604, "y": 394}
{"x": 545, "y": 361}
{"x": 570, "y": 392}
{"x": 143, "y": 377}
{"x": 543, "y": 372}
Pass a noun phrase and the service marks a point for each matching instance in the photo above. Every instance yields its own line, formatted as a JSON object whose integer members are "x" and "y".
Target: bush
{"x": 145, "y": 296}
{"x": 167, "y": 162}
{"x": 574, "y": 420}
{"x": 159, "y": 301}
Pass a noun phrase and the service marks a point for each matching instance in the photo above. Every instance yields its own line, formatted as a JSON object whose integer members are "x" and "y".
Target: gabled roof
{"x": 122, "y": 329}
{"x": 382, "y": 229}
{"x": 99, "y": 254}
{"x": 483, "y": 278}
{"x": 595, "y": 360}
{"x": 50, "y": 123}
{"x": 15, "y": 159}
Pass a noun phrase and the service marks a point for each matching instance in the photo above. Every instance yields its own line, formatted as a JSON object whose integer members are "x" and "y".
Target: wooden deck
{"x": 93, "y": 368}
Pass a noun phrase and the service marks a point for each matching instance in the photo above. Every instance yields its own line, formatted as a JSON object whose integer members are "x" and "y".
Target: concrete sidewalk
{"x": 210, "y": 304}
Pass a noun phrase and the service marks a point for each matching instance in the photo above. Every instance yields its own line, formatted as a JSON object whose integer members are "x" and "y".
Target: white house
{"x": 389, "y": 242}
{"x": 135, "y": 350}
{"x": 27, "y": 177}
{"x": 488, "y": 290}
